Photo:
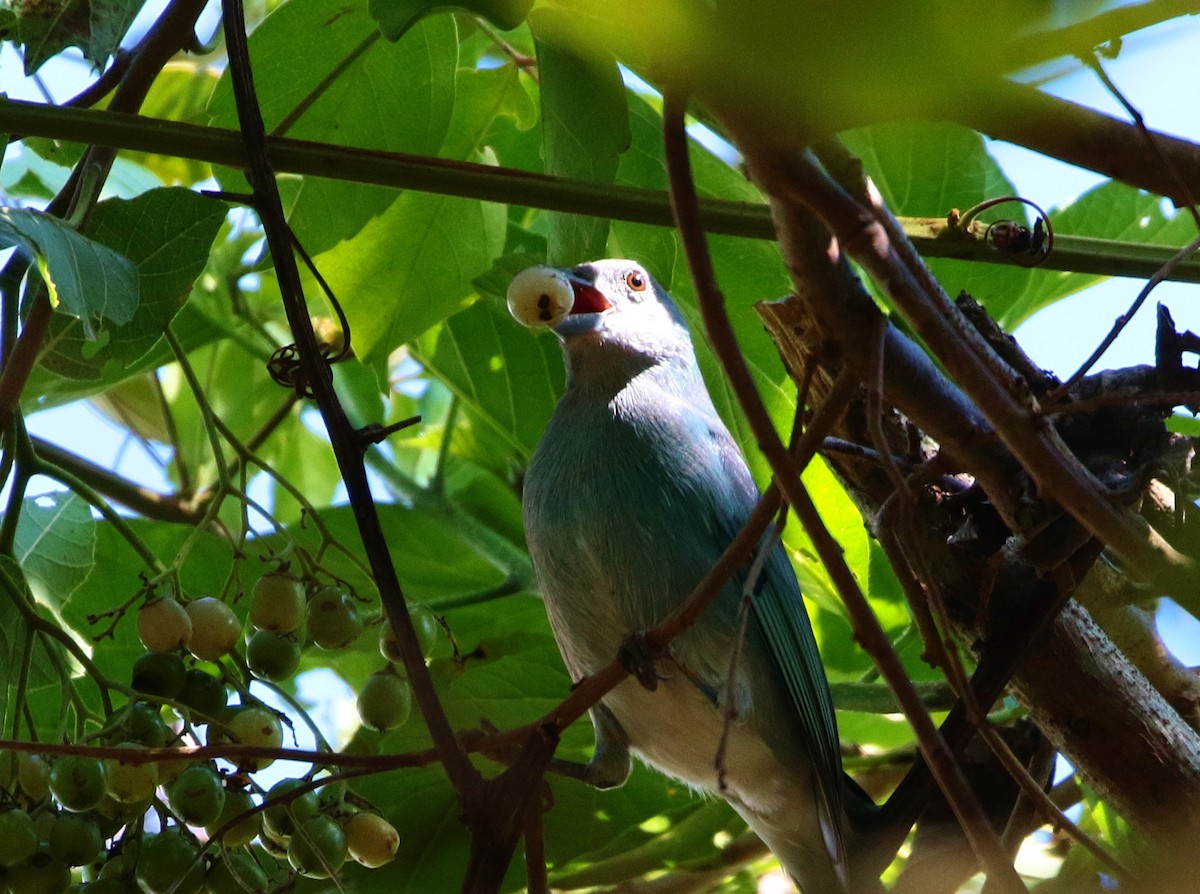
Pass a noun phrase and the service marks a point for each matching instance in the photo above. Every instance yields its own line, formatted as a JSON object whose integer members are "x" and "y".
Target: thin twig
{"x": 461, "y": 772}
{"x": 1161, "y": 275}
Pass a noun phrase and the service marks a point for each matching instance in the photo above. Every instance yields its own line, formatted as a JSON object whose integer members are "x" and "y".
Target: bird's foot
{"x": 637, "y": 657}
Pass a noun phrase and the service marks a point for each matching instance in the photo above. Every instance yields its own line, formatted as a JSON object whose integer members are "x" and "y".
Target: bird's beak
{"x": 586, "y": 309}
{"x": 588, "y": 299}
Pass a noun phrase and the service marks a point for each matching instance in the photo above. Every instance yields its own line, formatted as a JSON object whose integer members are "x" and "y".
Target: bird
{"x": 634, "y": 490}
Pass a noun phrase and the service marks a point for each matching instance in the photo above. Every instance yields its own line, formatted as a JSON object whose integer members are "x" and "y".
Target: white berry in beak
{"x": 540, "y": 296}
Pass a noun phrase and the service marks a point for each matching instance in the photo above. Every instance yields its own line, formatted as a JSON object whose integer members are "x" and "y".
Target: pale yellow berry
{"x": 540, "y": 296}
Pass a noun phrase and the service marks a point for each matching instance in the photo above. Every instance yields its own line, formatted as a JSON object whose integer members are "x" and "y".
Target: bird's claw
{"x": 638, "y": 657}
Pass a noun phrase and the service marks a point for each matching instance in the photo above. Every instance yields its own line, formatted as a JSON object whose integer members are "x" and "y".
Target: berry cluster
{"x": 127, "y": 822}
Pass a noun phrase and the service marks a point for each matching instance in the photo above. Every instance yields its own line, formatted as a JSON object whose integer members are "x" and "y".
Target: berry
{"x": 371, "y": 840}
{"x": 333, "y": 619}
{"x": 164, "y": 626}
{"x": 170, "y": 861}
{"x": 278, "y": 603}
{"x": 78, "y": 783}
{"x": 236, "y": 873}
{"x": 131, "y": 783}
{"x": 271, "y": 656}
{"x": 540, "y": 296}
{"x": 202, "y": 692}
{"x": 75, "y": 840}
{"x": 425, "y": 623}
{"x": 256, "y": 726}
{"x": 245, "y": 825}
{"x": 215, "y": 628}
{"x": 385, "y": 701}
{"x": 39, "y": 874}
{"x": 198, "y": 795}
{"x": 158, "y": 673}
{"x": 281, "y": 818}
{"x": 142, "y": 723}
{"x": 33, "y": 775}
{"x": 18, "y": 837}
{"x": 318, "y": 849}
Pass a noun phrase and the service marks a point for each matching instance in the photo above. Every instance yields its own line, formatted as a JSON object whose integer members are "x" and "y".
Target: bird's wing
{"x": 779, "y": 610}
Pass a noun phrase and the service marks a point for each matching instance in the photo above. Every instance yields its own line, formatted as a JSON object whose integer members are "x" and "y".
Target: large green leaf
{"x": 88, "y": 280}
{"x": 323, "y": 72}
{"x": 55, "y": 544}
{"x": 166, "y": 233}
{"x": 411, "y": 267}
{"x": 585, "y": 128}
{"x": 484, "y": 98}
{"x": 510, "y": 375}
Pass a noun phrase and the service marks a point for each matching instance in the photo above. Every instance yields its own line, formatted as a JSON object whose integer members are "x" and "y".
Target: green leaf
{"x": 395, "y": 17}
{"x": 411, "y": 267}
{"x": 55, "y": 544}
{"x": 485, "y": 97}
{"x": 585, "y": 129}
{"x": 166, "y": 233}
{"x": 509, "y": 374}
{"x": 82, "y": 276}
{"x": 353, "y": 89}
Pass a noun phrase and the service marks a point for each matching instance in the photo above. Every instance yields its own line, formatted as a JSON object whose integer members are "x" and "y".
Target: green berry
{"x": 78, "y": 783}
{"x": 385, "y": 701}
{"x": 158, "y": 673}
{"x": 278, "y": 603}
{"x": 75, "y": 840}
{"x": 318, "y": 849}
{"x": 202, "y": 692}
{"x": 425, "y": 624}
{"x": 271, "y": 656}
{"x": 33, "y": 775}
{"x": 256, "y": 726}
{"x": 281, "y": 818}
{"x": 142, "y": 723}
{"x": 170, "y": 861}
{"x": 333, "y": 619}
{"x": 236, "y": 873}
{"x": 198, "y": 795}
{"x": 129, "y": 782}
{"x": 39, "y": 874}
{"x": 18, "y": 837}
{"x": 245, "y": 825}
{"x": 371, "y": 840}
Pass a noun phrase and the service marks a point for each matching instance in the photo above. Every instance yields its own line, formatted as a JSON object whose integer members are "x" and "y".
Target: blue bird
{"x": 633, "y": 493}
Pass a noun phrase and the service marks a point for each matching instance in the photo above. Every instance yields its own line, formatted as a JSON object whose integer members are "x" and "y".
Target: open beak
{"x": 588, "y": 299}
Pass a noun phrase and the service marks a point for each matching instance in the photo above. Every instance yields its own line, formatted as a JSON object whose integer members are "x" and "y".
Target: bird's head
{"x": 611, "y": 307}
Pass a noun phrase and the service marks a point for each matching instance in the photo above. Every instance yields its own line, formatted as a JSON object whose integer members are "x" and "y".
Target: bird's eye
{"x": 636, "y": 280}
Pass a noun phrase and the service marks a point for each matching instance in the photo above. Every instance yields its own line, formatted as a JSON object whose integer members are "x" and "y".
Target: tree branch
{"x": 933, "y": 236}
{"x": 1060, "y": 476}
